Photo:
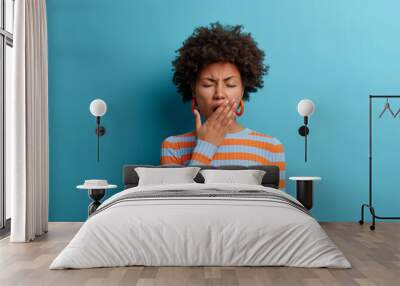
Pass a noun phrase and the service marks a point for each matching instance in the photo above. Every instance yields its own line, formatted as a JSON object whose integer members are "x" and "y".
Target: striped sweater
{"x": 244, "y": 148}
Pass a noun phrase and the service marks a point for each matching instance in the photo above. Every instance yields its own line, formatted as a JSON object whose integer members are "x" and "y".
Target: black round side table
{"x": 304, "y": 190}
{"x": 96, "y": 191}
{"x": 96, "y": 195}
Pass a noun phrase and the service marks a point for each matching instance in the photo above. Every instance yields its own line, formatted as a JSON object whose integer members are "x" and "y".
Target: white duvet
{"x": 200, "y": 231}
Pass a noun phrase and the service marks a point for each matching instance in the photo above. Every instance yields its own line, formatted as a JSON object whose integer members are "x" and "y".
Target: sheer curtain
{"x": 27, "y": 124}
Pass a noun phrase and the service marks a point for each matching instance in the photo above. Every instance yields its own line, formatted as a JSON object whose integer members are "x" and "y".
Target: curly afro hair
{"x": 219, "y": 43}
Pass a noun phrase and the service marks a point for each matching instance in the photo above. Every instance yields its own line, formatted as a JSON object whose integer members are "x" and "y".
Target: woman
{"x": 216, "y": 68}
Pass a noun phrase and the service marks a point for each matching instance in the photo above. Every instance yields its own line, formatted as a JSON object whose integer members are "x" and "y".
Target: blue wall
{"x": 333, "y": 52}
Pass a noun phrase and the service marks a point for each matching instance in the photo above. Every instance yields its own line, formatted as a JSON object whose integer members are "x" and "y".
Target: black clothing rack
{"x": 369, "y": 205}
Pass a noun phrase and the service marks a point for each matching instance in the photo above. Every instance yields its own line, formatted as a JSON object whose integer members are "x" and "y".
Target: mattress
{"x": 201, "y": 225}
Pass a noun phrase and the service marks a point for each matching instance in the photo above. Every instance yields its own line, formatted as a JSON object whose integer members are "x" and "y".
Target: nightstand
{"x": 304, "y": 190}
{"x": 96, "y": 191}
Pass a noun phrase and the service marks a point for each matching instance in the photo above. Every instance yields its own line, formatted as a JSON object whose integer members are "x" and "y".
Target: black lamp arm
{"x": 303, "y": 131}
{"x": 100, "y": 131}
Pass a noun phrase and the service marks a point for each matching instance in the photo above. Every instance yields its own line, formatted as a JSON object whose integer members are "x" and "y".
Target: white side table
{"x": 304, "y": 190}
{"x": 96, "y": 191}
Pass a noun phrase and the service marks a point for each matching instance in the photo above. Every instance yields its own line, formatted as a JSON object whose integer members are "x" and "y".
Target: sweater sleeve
{"x": 203, "y": 153}
{"x": 279, "y": 160}
{"x": 170, "y": 153}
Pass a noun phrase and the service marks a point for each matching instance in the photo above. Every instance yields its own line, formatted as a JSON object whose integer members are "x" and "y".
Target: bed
{"x": 198, "y": 224}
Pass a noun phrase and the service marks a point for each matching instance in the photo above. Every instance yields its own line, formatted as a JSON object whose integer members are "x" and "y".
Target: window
{"x": 6, "y": 60}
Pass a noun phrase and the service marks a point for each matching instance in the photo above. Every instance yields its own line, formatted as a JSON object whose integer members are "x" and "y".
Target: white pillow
{"x": 249, "y": 177}
{"x": 162, "y": 176}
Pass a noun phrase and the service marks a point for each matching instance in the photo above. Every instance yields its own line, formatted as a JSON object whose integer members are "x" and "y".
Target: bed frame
{"x": 270, "y": 179}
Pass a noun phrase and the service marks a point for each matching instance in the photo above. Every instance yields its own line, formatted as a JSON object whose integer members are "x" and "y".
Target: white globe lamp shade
{"x": 305, "y": 107}
{"x": 98, "y": 107}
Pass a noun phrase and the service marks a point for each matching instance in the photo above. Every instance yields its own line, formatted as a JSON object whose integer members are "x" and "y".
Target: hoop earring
{"x": 241, "y": 109}
{"x": 193, "y": 104}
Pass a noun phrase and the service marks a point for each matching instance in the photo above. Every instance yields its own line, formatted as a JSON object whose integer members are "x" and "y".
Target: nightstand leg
{"x": 305, "y": 193}
{"x": 96, "y": 195}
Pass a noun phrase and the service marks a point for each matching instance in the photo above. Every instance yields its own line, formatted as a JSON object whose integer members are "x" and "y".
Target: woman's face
{"x": 216, "y": 83}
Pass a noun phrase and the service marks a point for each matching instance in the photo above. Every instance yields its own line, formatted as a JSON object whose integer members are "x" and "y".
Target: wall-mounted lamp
{"x": 98, "y": 108}
{"x": 305, "y": 108}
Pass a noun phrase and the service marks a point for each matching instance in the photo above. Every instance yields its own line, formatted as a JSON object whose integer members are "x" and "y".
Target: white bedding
{"x": 200, "y": 231}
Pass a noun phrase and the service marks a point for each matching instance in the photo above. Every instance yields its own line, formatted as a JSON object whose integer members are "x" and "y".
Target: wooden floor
{"x": 374, "y": 255}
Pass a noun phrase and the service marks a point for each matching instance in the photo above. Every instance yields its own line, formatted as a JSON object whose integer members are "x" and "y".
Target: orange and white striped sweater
{"x": 244, "y": 148}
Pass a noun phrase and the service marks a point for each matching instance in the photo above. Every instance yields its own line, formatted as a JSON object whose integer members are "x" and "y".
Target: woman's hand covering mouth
{"x": 215, "y": 127}
{"x": 218, "y": 104}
